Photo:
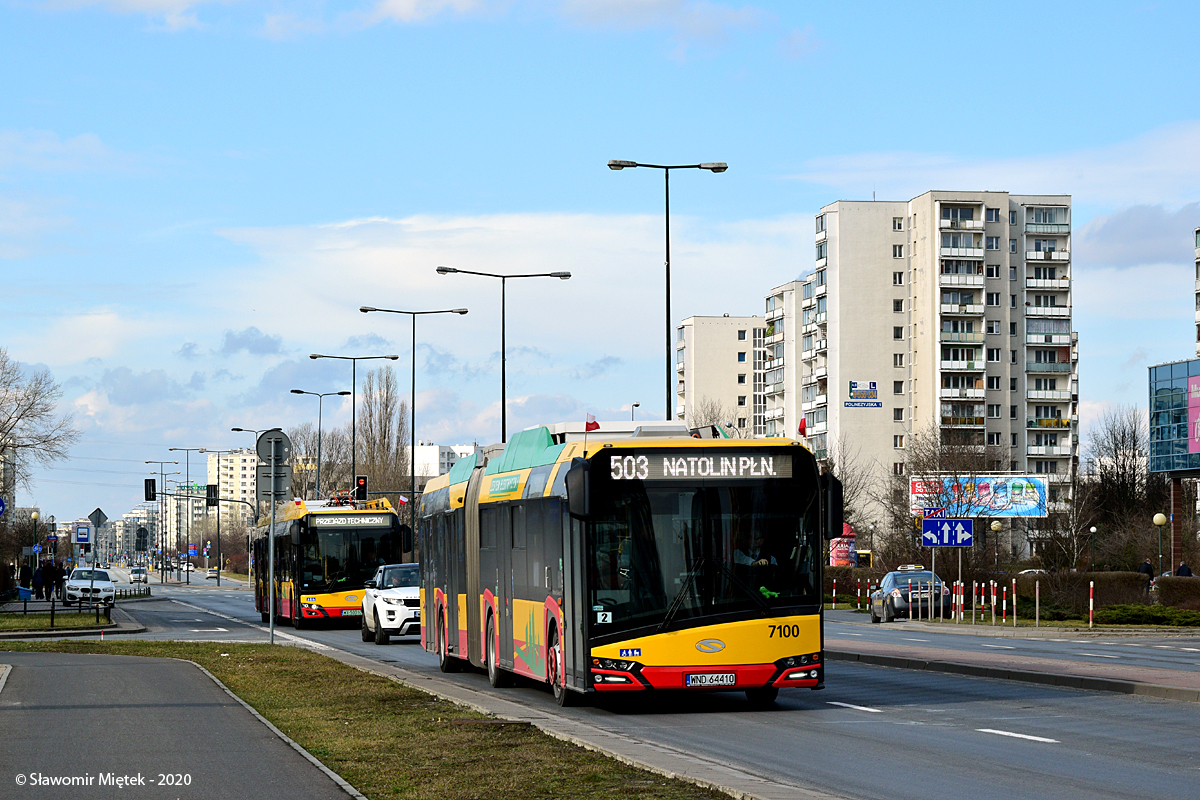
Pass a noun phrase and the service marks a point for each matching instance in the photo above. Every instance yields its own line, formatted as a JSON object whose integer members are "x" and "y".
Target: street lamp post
{"x": 33, "y": 518}
{"x": 320, "y": 401}
{"x": 187, "y": 477}
{"x": 218, "y": 453}
{"x": 1093, "y": 543}
{"x": 633, "y": 412}
{"x": 412, "y": 408}
{"x": 995, "y": 526}
{"x": 503, "y": 354}
{"x": 162, "y": 517}
{"x": 1159, "y": 521}
{"x": 353, "y": 401}
{"x": 713, "y": 166}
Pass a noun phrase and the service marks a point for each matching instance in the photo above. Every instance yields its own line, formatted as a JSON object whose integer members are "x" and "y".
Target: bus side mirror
{"x": 578, "y": 498}
{"x": 406, "y": 539}
{"x": 834, "y": 512}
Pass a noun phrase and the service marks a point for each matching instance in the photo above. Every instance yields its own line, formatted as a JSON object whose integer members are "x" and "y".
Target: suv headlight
{"x": 392, "y": 601}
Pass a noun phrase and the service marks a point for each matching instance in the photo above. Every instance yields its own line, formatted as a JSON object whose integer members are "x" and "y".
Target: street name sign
{"x": 947, "y": 532}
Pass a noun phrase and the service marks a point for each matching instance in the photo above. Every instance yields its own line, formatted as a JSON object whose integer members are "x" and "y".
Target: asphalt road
{"x": 873, "y": 733}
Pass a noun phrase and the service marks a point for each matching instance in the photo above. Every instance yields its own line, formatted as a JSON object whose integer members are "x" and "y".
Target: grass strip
{"x": 391, "y": 741}
{"x": 41, "y": 621}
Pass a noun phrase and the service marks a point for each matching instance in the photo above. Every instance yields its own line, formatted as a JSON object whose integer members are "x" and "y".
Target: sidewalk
{"x": 163, "y": 723}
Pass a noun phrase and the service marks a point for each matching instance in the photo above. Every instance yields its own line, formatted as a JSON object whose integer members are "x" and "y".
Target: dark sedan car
{"x": 892, "y": 599}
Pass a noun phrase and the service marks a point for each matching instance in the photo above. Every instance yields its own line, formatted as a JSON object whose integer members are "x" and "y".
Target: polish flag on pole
{"x": 591, "y": 424}
{"x": 403, "y": 499}
{"x": 803, "y": 427}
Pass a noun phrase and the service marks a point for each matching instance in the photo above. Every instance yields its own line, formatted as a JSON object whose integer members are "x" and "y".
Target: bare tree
{"x": 848, "y": 465}
{"x": 334, "y": 454}
{"x": 709, "y": 411}
{"x": 1064, "y": 537}
{"x": 383, "y": 434}
{"x": 31, "y": 430}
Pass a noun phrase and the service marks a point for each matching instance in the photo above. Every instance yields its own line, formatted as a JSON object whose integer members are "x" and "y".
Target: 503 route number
{"x": 784, "y": 632}
{"x": 630, "y": 468}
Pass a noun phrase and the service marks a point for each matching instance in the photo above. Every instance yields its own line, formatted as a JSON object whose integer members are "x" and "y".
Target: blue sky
{"x": 196, "y": 195}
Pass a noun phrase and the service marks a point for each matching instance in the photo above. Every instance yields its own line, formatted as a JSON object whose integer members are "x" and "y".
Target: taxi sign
{"x": 910, "y": 568}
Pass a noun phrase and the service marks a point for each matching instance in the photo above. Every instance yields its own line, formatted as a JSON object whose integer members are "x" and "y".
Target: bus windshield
{"x": 334, "y": 558}
{"x": 662, "y": 553}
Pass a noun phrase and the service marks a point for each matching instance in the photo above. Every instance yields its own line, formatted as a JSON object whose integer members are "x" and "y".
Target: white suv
{"x": 137, "y": 574}
{"x": 392, "y": 603}
{"x": 87, "y": 584}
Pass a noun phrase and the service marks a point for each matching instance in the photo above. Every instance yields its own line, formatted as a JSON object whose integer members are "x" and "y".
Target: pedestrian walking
{"x": 1183, "y": 570}
{"x": 1146, "y": 569}
{"x": 37, "y": 583}
{"x": 25, "y": 576}
{"x": 61, "y": 574}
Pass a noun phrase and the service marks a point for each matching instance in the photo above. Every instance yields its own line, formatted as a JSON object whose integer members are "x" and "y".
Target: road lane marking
{"x": 1191, "y": 649}
{"x": 1096, "y": 655}
{"x": 1164, "y": 647}
{"x": 1018, "y": 735}
{"x": 300, "y": 639}
{"x": 1000, "y": 646}
{"x": 851, "y": 634}
{"x": 856, "y": 708}
{"x": 4, "y": 670}
{"x": 209, "y": 630}
{"x": 905, "y": 638}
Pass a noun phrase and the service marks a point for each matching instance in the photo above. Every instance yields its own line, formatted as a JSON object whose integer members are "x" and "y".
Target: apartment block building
{"x": 949, "y": 312}
{"x": 437, "y": 459}
{"x": 719, "y": 363}
{"x": 234, "y": 472}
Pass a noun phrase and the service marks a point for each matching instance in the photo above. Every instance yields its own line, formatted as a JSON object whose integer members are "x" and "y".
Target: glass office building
{"x": 1175, "y": 417}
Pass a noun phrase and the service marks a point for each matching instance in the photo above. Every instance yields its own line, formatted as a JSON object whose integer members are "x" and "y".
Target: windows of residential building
{"x": 1012, "y": 329}
{"x": 898, "y": 415}
{"x": 898, "y": 306}
{"x": 993, "y": 326}
{"x": 993, "y": 439}
{"x": 822, "y": 250}
{"x": 806, "y": 343}
{"x": 897, "y": 279}
{"x": 1045, "y": 384}
{"x": 897, "y": 359}
{"x": 993, "y": 354}
{"x": 820, "y": 277}
{"x": 993, "y": 410}
{"x": 1012, "y": 217}
{"x": 898, "y": 440}
{"x": 1012, "y": 357}
{"x": 741, "y": 336}
{"x": 1044, "y": 245}
{"x": 897, "y": 387}
{"x": 741, "y": 422}
{"x": 1012, "y": 412}
{"x": 958, "y": 214}
{"x": 1012, "y": 273}
{"x": 993, "y": 270}
{"x": 1012, "y": 245}
{"x": 741, "y": 400}
{"x": 898, "y": 332}
{"x": 898, "y": 468}
{"x": 993, "y": 383}
{"x": 993, "y": 298}
{"x": 964, "y": 241}
{"x": 741, "y": 358}
{"x": 1014, "y": 440}
{"x": 992, "y": 214}
{"x": 741, "y": 378}
{"x": 1012, "y": 300}
{"x": 820, "y": 223}
{"x": 679, "y": 334}
{"x": 897, "y": 251}
{"x": 897, "y": 223}
{"x": 993, "y": 243}
{"x": 1045, "y": 467}
{"x": 1012, "y": 384}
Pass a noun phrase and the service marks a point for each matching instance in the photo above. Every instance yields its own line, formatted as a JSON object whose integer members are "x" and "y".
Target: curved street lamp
{"x": 711, "y": 166}
{"x": 353, "y": 401}
{"x": 320, "y": 400}
{"x": 503, "y": 359}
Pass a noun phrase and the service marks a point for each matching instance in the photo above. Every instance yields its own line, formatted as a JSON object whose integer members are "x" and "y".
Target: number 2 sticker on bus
{"x": 603, "y": 617}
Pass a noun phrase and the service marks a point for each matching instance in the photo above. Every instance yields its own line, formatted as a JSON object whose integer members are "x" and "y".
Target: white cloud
{"x": 686, "y": 19}
{"x": 1156, "y": 167}
{"x": 1145, "y": 234}
{"x": 419, "y": 10}
{"x": 45, "y": 151}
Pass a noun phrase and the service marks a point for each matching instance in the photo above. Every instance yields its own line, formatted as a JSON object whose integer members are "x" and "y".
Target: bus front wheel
{"x": 554, "y": 673}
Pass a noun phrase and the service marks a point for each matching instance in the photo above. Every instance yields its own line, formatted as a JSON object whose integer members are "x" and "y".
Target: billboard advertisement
{"x": 863, "y": 394}
{"x": 981, "y": 496}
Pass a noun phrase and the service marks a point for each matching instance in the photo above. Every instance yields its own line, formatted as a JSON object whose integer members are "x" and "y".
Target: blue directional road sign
{"x": 37, "y": 548}
{"x": 1, "y": 505}
{"x": 947, "y": 532}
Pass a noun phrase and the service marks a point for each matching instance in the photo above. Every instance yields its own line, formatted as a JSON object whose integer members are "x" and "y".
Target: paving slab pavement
{"x": 163, "y": 724}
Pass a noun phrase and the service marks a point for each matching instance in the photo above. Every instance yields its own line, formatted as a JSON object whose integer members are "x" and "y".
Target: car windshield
{"x": 403, "y": 576}
{"x": 89, "y": 574}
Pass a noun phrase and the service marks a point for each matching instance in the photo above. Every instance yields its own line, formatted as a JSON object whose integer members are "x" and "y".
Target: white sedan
{"x": 88, "y": 585}
{"x": 392, "y": 603}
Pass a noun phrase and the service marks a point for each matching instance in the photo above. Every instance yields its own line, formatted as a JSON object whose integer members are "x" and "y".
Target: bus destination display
{"x": 667, "y": 466}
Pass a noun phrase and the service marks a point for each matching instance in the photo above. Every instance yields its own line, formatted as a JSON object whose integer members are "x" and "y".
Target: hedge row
{"x": 1137, "y": 614}
{"x": 1179, "y": 592}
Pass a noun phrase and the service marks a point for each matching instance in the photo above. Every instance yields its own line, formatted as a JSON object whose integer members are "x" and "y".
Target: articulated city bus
{"x": 630, "y": 563}
{"x": 324, "y": 551}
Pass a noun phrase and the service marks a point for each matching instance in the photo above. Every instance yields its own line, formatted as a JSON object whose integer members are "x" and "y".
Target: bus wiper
{"x": 677, "y": 603}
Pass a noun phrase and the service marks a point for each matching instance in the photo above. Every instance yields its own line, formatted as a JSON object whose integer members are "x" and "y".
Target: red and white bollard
{"x": 1004, "y": 610}
{"x": 858, "y": 598}
{"x": 1014, "y": 598}
{"x": 910, "y": 599}
{"x": 1091, "y": 601}
{"x": 835, "y": 594}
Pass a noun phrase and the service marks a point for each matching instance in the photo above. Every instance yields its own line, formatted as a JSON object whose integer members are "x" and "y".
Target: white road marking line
{"x": 856, "y": 708}
{"x": 210, "y": 630}
{"x": 299, "y": 639}
{"x": 1096, "y": 655}
{"x": 1018, "y": 735}
{"x": 1163, "y": 647}
{"x": 1191, "y": 649}
{"x": 905, "y": 638}
{"x": 852, "y": 634}
{"x": 1000, "y": 646}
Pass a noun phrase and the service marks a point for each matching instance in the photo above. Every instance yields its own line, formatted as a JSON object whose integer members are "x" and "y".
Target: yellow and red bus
{"x": 630, "y": 563}
{"x": 324, "y": 551}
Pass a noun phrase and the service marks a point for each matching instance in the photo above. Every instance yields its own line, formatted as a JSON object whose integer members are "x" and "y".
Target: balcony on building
{"x": 1056, "y": 423}
{"x": 1047, "y": 255}
{"x": 821, "y": 345}
{"x": 969, "y": 366}
{"x": 1047, "y": 338}
{"x": 776, "y": 312}
{"x": 961, "y": 252}
{"x": 975, "y": 337}
{"x": 1047, "y": 394}
{"x": 1058, "y": 229}
{"x": 817, "y": 401}
{"x": 956, "y": 394}
{"x": 961, "y": 224}
{"x": 1047, "y": 311}
{"x": 808, "y": 302}
{"x": 772, "y": 389}
{"x": 773, "y": 413}
{"x": 974, "y": 309}
{"x": 962, "y": 422}
{"x": 1048, "y": 283}
{"x": 1051, "y": 366}
{"x": 1061, "y": 450}
{"x": 820, "y": 371}
{"x": 945, "y": 279}
{"x": 773, "y": 338}
{"x": 818, "y": 427}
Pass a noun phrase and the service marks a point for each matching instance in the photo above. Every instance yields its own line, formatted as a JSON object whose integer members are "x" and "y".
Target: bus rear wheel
{"x": 497, "y": 677}
{"x": 445, "y": 662}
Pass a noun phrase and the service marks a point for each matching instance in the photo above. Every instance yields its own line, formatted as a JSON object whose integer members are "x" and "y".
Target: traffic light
{"x": 151, "y": 491}
{"x": 360, "y": 487}
{"x": 211, "y": 499}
